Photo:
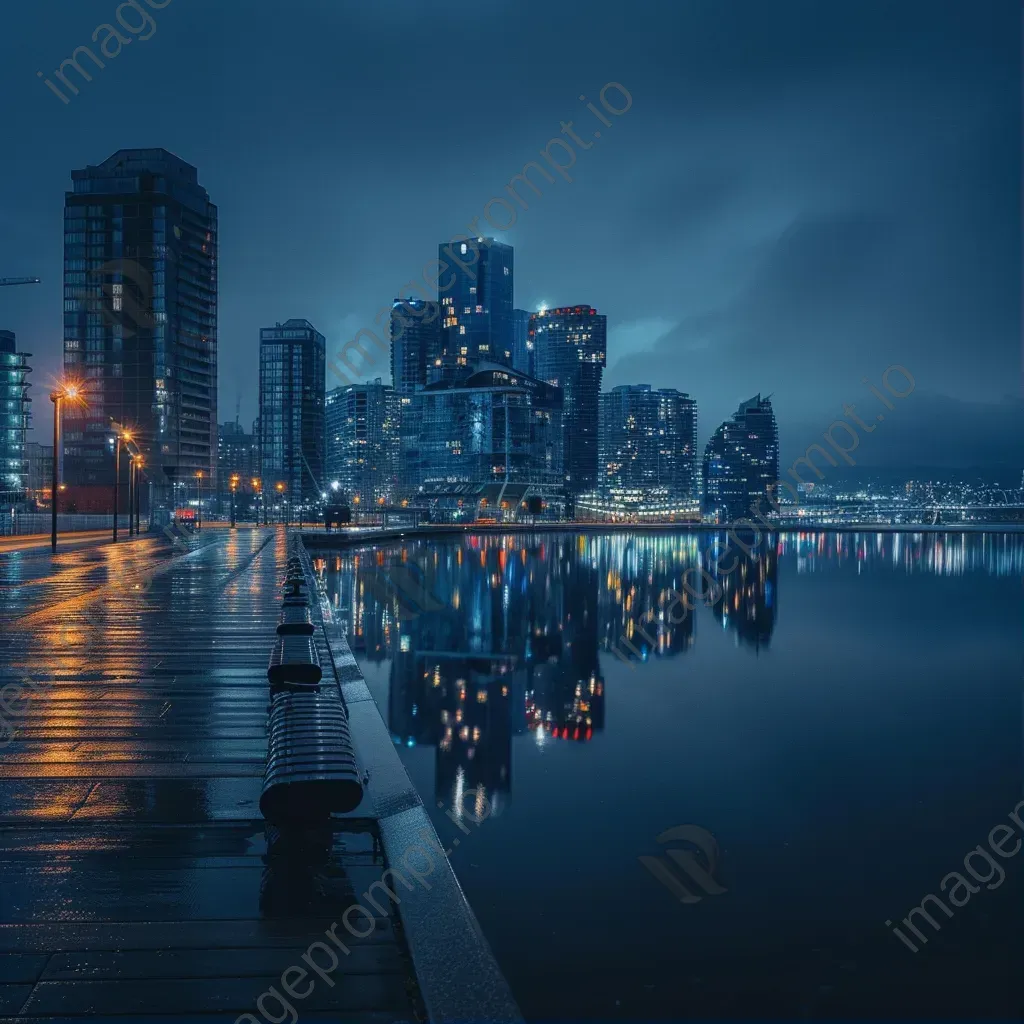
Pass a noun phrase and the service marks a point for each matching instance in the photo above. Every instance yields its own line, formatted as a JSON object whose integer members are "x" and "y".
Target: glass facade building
{"x": 570, "y": 347}
{"x": 237, "y": 456}
{"x": 15, "y": 413}
{"x": 476, "y": 306}
{"x": 524, "y": 354}
{"x": 363, "y": 442}
{"x": 416, "y": 358}
{"x": 415, "y": 342}
{"x": 648, "y": 441}
{"x": 140, "y": 323}
{"x": 291, "y": 420}
{"x": 497, "y": 427}
{"x": 741, "y": 461}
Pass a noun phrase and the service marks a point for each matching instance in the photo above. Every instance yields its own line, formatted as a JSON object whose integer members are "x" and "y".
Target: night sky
{"x": 802, "y": 193}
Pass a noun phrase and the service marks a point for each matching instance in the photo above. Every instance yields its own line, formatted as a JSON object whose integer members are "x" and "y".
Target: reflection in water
{"x": 490, "y": 637}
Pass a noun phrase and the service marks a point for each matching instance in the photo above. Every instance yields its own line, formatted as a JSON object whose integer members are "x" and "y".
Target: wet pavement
{"x": 135, "y": 877}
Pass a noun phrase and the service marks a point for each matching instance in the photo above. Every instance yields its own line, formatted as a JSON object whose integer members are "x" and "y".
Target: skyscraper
{"x": 15, "y": 412}
{"x": 237, "y": 456}
{"x": 292, "y": 376}
{"x": 570, "y": 349}
{"x": 415, "y": 359}
{"x": 495, "y": 437}
{"x": 363, "y": 442}
{"x": 524, "y": 354}
{"x": 140, "y": 321}
{"x": 741, "y": 461}
{"x": 476, "y": 306}
{"x": 648, "y": 442}
{"x": 415, "y": 342}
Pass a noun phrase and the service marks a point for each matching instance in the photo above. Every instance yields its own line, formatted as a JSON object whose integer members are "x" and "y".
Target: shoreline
{"x": 347, "y": 538}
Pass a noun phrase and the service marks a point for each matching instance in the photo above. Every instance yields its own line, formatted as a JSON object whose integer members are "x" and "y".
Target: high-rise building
{"x": 741, "y": 461}
{"x": 476, "y": 306}
{"x": 363, "y": 442}
{"x": 648, "y": 441}
{"x": 416, "y": 358}
{"x": 140, "y": 322}
{"x": 238, "y": 459}
{"x": 292, "y": 377}
{"x": 15, "y": 412}
{"x": 524, "y": 354}
{"x": 570, "y": 347}
{"x": 415, "y": 342}
{"x": 40, "y": 471}
{"x": 491, "y": 440}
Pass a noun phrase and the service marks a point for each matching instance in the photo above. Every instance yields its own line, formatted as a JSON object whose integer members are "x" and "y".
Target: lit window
{"x": 462, "y": 330}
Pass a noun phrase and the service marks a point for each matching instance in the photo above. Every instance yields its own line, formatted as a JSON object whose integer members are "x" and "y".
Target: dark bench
{"x": 311, "y": 766}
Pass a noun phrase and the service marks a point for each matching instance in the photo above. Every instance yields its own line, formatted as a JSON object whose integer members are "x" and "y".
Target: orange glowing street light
{"x": 199, "y": 499}
{"x": 233, "y": 483}
{"x": 67, "y": 390}
{"x": 279, "y": 487}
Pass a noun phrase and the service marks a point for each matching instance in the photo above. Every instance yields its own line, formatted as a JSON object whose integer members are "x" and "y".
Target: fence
{"x": 19, "y": 523}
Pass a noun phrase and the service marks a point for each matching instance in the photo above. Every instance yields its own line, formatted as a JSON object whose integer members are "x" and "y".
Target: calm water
{"x": 845, "y": 720}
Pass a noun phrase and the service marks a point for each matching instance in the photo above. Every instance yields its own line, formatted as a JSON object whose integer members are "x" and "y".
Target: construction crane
{"x": 18, "y": 280}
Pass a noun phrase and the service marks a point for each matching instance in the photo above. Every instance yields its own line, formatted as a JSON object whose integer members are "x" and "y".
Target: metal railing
{"x": 16, "y": 524}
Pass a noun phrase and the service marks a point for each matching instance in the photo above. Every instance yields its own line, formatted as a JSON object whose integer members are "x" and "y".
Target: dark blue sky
{"x": 802, "y": 193}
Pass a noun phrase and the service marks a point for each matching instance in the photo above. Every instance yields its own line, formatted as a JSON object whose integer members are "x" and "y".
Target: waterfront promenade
{"x": 135, "y": 876}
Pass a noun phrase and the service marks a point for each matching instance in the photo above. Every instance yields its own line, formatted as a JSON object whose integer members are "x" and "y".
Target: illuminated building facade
{"x": 292, "y": 436}
{"x": 570, "y": 349}
{"x": 495, "y": 429}
{"x": 524, "y": 352}
{"x": 415, "y": 342}
{"x": 140, "y": 322}
{"x": 741, "y": 461}
{"x": 40, "y": 471}
{"x": 15, "y": 413}
{"x": 476, "y": 306}
{"x": 363, "y": 442}
{"x": 648, "y": 442}
{"x": 416, "y": 358}
{"x": 237, "y": 456}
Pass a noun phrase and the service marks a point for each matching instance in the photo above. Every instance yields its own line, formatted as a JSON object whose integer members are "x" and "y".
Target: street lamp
{"x": 234, "y": 485}
{"x": 131, "y": 494}
{"x": 139, "y": 463}
{"x": 279, "y": 487}
{"x": 66, "y": 391}
{"x": 199, "y": 496}
{"x": 122, "y": 435}
{"x": 256, "y": 488}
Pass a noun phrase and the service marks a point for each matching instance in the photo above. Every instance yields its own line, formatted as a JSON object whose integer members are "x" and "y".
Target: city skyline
{"x": 690, "y": 287}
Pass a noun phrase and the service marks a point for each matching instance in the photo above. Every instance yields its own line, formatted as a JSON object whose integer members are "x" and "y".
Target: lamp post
{"x": 70, "y": 392}
{"x": 199, "y": 499}
{"x": 131, "y": 494}
{"x": 126, "y": 436}
{"x": 117, "y": 473}
{"x": 279, "y": 487}
{"x": 138, "y": 466}
{"x": 234, "y": 487}
{"x": 256, "y": 492}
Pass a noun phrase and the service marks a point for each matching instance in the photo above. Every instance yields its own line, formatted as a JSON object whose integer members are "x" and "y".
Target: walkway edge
{"x": 458, "y": 977}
